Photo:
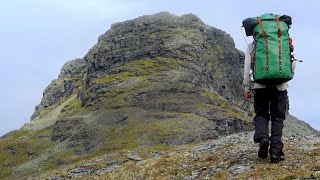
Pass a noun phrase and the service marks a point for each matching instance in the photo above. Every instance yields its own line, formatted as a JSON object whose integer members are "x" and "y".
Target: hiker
{"x": 270, "y": 94}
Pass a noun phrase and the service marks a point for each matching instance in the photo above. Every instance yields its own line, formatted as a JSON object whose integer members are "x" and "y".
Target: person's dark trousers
{"x": 270, "y": 103}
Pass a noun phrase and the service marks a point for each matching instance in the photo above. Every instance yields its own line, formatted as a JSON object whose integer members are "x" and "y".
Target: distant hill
{"x": 151, "y": 84}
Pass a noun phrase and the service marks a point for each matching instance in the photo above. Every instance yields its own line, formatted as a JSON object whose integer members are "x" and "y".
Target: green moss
{"x": 218, "y": 51}
{"x": 152, "y": 35}
{"x": 72, "y": 79}
{"x": 188, "y": 32}
{"x": 105, "y": 80}
{"x": 61, "y": 158}
{"x": 160, "y": 129}
{"x": 21, "y": 148}
{"x": 184, "y": 56}
{"x": 125, "y": 137}
{"x": 218, "y": 71}
{"x": 73, "y": 105}
{"x": 127, "y": 140}
{"x": 152, "y": 134}
{"x": 16, "y": 134}
{"x": 145, "y": 67}
{"x": 224, "y": 107}
{"x": 217, "y": 48}
{"x": 45, "y": 111}
{"x": 160, "y": 147}
{"x": 142, "y": 73}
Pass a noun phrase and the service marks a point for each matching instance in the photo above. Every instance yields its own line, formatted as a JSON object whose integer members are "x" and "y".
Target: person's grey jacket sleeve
{"x": 293, "y": 66}
{"x": 247, "y": 67}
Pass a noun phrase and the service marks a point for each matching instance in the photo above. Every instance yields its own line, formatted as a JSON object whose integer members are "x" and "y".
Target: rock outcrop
{"x": 70, "y": 78}
{"x": 165, "y": 71}
{"x": 204, "y": 56}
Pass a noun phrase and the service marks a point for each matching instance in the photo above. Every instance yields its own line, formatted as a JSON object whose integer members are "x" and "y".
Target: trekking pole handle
{"x": 297, "y": 60}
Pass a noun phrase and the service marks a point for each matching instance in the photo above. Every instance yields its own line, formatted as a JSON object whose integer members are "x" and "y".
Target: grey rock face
{"x": 213, "y": 60}
{"x": 64, "y": 129}
{"x": 216, "y": 61}
{"x": 295, "y": 127}
{"x": 72, "y": 69}
{"x": 70, "y": 78}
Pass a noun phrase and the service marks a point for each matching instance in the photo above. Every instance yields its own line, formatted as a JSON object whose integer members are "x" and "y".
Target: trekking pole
{"x": 244, "y": 102}
{"x": 244, "y": 37}
{"x": 246, "y": 99}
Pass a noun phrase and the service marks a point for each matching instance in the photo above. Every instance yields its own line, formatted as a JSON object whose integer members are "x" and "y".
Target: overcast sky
{"x": 38, "y": 36}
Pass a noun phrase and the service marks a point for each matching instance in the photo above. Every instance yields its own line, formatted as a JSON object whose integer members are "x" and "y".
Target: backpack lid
{"x": 268, "y": 16}
{"x": 287, "y": 19}
{"x": 250, "y": 23}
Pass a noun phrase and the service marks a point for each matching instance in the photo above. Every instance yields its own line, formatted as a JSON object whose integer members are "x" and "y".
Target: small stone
{"x": 238, "y": 169}
{"x": 135, "y": 157}
{"x": 317, "y": 174}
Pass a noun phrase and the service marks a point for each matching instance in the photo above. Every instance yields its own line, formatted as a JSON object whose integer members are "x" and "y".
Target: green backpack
{"x": 271, "y": 55}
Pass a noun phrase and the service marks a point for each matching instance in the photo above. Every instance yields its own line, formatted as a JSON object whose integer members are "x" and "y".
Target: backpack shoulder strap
{"x": 279, "y": 43}
{"x": 266, "y": 39}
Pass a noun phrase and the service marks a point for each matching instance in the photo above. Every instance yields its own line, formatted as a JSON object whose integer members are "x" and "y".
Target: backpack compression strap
{"x": 279, "y": 43}
{"x": 265, "y": 38}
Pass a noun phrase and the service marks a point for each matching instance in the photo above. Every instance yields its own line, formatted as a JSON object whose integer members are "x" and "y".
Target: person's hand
{"x": 247, "y": 94}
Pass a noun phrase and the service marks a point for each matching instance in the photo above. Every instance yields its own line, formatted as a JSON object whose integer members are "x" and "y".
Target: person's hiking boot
{"x": 276, "y": 158}
{"x": 263, "y": 150}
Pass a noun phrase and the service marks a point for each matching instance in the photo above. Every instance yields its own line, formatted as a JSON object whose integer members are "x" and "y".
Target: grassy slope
{"x": 231, "y": 157}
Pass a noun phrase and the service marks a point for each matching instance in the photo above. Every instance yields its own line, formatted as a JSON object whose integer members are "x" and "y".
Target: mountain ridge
{"x": 155, "y": 82}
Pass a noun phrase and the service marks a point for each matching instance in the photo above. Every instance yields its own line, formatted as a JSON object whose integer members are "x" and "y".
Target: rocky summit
{"x": 153, "y": 92}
